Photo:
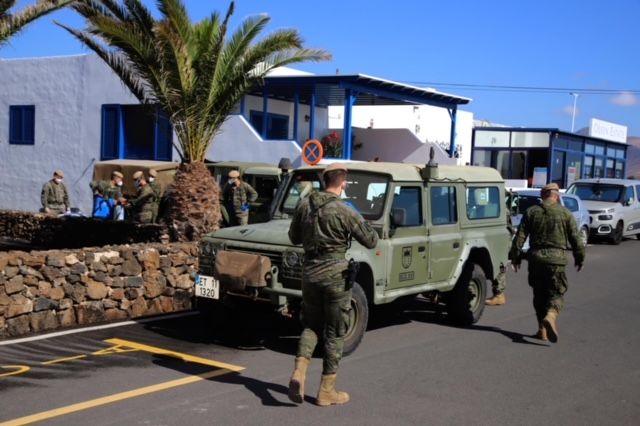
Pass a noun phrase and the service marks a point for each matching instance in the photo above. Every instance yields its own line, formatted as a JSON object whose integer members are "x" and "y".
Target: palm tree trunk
{"x": 193, "y": 209}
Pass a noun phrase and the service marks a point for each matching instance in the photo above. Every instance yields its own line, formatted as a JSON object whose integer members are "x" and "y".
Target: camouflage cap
{"x": 335, "y": 166}
{"x": 234, "y": 174}
{"x": 137, "y": 175}
{"x": 548, "y": 188}
{"x": 153, "y": 172}
{"x": 59, "y": 173}
{"x": 116, "y": 174}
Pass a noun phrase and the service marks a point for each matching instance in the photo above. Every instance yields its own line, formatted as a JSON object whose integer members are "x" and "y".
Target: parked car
{"x": 613, "y": 205}
{"x": 522, "y": 199}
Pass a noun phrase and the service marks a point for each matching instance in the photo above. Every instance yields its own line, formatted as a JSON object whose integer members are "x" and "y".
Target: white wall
{"x": 68, "y": 93}
{"x": 427, "y": 123}
{"x": 240, "y": 142}
{"x": 395, "y": 145}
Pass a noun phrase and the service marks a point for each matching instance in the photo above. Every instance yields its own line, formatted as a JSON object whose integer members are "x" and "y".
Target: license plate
{"x": 207, "y": 286}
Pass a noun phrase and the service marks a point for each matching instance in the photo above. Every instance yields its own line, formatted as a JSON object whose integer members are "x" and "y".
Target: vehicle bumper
{"x": 601, "y": 228}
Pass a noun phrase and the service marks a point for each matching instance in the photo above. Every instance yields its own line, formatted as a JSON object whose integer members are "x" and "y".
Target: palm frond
{"x": 11, "y": 24}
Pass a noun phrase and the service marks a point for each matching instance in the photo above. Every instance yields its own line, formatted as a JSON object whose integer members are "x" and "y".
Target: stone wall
{"x": 42, "y": 231}
{"x": 47, "y": 290}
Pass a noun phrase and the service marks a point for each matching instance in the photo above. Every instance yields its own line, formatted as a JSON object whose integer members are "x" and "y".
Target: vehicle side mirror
{"x": 628, "y": 202}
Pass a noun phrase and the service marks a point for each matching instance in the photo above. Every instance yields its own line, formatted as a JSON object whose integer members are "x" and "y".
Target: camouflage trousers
{"x": 326, "y": 305}
{"x": 549, "y": 284}
{"x": 242, "y": 219}
{"x": 500, "y": 282}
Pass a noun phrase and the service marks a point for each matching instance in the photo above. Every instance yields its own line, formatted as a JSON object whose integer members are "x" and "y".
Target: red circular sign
{"x": 312, "y": 152}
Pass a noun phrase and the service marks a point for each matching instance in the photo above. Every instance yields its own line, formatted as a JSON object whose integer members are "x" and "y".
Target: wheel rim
{"x": 474, "y": 295}
{"x": 354, "y": 314}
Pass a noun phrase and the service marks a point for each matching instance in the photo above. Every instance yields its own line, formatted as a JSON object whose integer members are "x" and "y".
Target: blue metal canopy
{"x": 349, "y": 91}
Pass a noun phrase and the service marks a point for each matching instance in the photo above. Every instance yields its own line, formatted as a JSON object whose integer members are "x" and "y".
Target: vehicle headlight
{"x": 292, "y": 259}
{"x": 611, "y": 210}
{"x": 210, "y": 249}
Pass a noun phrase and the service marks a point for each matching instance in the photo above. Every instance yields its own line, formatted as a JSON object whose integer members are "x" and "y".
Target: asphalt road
{"x": 412, "y": 367}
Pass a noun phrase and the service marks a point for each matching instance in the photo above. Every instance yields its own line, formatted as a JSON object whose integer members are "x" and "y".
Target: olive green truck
{"x": 442, "y": 234}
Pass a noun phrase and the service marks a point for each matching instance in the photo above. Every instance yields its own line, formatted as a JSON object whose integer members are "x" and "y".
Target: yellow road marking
{"x": 19, "y": 369}
{"x": 117, "y": 349}
{"x": 69, "y": 358}
{"x": 184, "y": 357}
{"x": 44, "y": 415}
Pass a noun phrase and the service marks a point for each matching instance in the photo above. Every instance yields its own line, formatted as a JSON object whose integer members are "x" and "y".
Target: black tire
{"x": 638, "y": 236}
{"x": 616, "y": 235}
{"x": 465, "y": 303}
{"x": 584, "y": 235}
{"x": 359, "y": 320}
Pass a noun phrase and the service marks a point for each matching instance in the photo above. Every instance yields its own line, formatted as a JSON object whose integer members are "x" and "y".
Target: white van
{"x": 613, "y": 205}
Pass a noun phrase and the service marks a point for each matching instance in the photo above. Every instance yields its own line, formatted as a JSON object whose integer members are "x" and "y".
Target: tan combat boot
{"x": 496, "y": 300}
{"x": 541, "y": 334}
{"x": 549, "y": 323}
{"x": 328, "y": 395}
{"x": 296, "y": 384}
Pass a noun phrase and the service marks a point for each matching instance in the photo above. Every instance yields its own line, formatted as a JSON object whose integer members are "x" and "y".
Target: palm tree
{"x": 11, "y": 24}
{"x": 196, "y": 73}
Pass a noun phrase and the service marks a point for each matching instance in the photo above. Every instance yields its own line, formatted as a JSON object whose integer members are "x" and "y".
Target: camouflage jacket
{"x": 54, "y": 195}
{"x": 324, "y": 225}
{"x": 552, "y": 230}
{"x": 157, "y": 190}
{"x": 106, "y": 189}
{"x": 142, "y": 206}
{"x": 236, "y": 196}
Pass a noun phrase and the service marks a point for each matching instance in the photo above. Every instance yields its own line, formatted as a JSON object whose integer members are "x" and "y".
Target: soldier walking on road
{"x": 324, "y": 225}
{"x": 157, "y": 191}
{"x": 55, "y": 196}
{"x": 142, "y": 206}
{"x": 237, "y": 195}
{"x": 499, "y": 284}
{"x": 552, "y": 230}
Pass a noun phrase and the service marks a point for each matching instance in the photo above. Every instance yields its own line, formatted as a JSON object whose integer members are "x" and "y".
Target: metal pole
{"x": 573, "y": 112}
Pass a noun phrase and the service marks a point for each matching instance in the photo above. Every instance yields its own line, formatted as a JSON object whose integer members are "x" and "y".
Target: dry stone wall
{"x": 38, "y": 230}
{"x": 47, "y": 290}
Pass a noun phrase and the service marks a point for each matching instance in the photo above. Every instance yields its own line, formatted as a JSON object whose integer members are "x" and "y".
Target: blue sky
{"x": 566, "y": 44}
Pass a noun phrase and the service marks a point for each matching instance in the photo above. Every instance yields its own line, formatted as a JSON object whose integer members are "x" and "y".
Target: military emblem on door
{"x": 407, "y": 257}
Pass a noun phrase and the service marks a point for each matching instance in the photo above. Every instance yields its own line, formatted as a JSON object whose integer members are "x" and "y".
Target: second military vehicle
{"x": 442, "y": 233}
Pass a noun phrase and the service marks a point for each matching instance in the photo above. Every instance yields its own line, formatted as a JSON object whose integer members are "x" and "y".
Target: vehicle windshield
{"x": 365, "y": 191}
{"x": 597, "y": 192}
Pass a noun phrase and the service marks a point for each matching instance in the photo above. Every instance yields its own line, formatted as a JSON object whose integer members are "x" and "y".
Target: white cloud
{"x": 625, "y": 99}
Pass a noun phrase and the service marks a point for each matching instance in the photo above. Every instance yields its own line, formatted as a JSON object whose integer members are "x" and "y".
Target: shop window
{"x": 22, "y": 124}
{"x": 609, "y": 171}
{"x": 619, "y": 173}
{"x": 598, "y": 169}
{"x": 588, "y": 166}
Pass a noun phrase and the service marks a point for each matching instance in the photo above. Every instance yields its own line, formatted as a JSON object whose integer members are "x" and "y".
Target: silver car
{"x": 521, "y": 200}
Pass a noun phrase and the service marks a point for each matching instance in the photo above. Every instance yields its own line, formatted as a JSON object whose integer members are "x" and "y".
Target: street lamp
{"x": 573, "y": 112}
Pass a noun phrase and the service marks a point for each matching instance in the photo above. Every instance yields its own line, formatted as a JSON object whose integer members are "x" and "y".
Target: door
{"x": 445, "y": 240}
{"x": 409, "y": 238}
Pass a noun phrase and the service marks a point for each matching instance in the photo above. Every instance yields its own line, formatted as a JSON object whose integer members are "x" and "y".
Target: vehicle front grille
{"x": 286, "y": 273}
{"x": 596, "y": 211}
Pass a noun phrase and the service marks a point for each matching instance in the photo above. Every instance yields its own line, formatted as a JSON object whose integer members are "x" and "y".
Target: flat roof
{"x": 330, "y": 90}
{"x": 547, "y": 130}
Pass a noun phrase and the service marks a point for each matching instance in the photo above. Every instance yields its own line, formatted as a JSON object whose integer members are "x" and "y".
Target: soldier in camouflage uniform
{"x": 55, "y": 196}
{"x": 324, "y": 225}
{"x": 142, "y": 207}
{"x": 552, "y": 230}
{"x": 109, "y": 190}
{"x": 157, "y": 191}
{"x": 499, "y": 284}
{"x": 236, "y": 198}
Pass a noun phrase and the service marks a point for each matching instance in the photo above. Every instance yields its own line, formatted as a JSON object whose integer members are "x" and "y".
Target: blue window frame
{"x": 139, "y": 132}
{"x": 22, "y": 122}
{"x": 277, "y": 124}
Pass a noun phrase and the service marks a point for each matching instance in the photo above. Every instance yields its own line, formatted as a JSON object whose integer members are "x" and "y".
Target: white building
{"x": 70, "y": 112}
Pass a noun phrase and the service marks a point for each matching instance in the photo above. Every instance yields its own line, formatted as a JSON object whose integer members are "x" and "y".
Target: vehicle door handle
{"x": 456, "y": 245}
{"x": 421, "y": 249}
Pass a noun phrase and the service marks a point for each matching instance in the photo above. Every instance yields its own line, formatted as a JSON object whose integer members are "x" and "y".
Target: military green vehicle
{"x": 263, "y": 177}
{"x": 442, "y": 234}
